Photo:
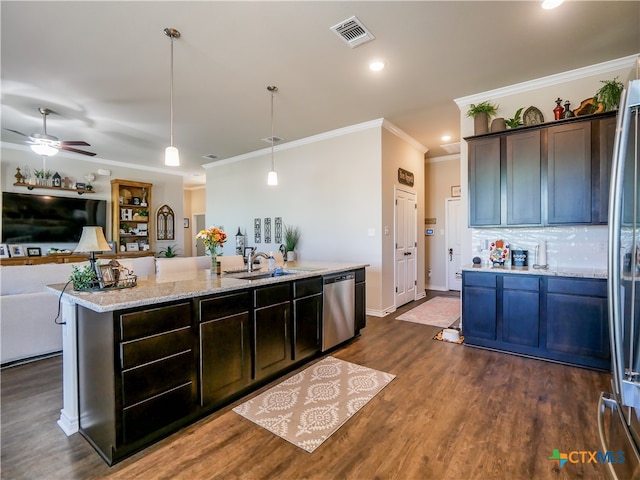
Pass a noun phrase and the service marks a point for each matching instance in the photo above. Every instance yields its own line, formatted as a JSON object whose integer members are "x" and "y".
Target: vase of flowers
{"x": 212, "y": 237}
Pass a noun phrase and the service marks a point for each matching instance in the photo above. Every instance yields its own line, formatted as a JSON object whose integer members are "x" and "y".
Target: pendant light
{"x": 272, "y": 178}
{"x": 171, "y": 154}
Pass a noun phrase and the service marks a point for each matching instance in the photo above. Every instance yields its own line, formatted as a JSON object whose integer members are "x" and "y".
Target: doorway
{"x": 453, "y": 241}
{"x": 198, "y": 222}
{"x": 406, "y": 246}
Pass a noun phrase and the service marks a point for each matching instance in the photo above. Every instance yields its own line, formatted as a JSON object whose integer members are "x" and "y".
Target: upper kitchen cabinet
{"x": 569, "y": 174}
{"x": 484, "y": 182}
{"x": 550, "y": 174}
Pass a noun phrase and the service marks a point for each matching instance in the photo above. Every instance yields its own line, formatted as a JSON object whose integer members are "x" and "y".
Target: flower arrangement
{"x": 212, "y": 237}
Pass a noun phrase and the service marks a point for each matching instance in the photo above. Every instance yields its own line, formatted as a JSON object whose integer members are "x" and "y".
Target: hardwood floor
{"x": 452, "y": 412}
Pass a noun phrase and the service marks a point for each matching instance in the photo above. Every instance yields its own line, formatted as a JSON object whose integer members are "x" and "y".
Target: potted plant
{"x": 609, "y": 94}
{"x": 84, "y": 278}
{"x": 169, "y": 252}
{"x": 481, "y": 114}
{"x": 516, "y": 121}
{"x": 291, "y": 239}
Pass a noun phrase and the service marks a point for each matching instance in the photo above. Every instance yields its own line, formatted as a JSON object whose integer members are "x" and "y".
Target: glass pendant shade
{"x": 43, "y": 149}
{"x": 171, "y": 157}
{"x": 272, "y": 178}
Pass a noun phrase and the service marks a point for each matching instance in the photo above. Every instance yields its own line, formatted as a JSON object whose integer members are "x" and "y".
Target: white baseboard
{"x": 440, "y": 288}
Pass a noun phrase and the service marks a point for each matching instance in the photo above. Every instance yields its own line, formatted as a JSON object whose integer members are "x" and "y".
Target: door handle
{"x": 451, "y": 254}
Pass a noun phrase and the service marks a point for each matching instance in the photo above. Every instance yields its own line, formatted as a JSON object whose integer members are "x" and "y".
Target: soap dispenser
{"x": 271, "y": 262}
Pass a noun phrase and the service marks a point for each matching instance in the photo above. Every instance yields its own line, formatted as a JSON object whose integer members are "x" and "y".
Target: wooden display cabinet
{"x": 130, "y": 201}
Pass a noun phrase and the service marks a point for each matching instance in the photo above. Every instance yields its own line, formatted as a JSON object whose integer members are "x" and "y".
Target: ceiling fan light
{"x": 171, "y": 157}
{"x": 43, "y": 149}
{"x": 272, "y": 178}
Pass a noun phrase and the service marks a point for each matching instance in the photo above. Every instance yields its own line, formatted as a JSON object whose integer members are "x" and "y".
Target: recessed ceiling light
{"x": 376, "y": 65}
{"x": 549, "y": 4}
{"x": 446, "y": 138}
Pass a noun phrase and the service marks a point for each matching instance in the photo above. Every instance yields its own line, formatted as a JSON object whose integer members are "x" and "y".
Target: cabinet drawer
{"x": 517, "y": 282}
{"x": 306, "y": 287}
{"x": 144, "y": 382}
{"x": 158, "y": 412}
{"x": 586, "y": 287}
{"x": 224, "y": 306}
{"x": 138, "y": 352}
{"x": 154, "y": 320}
{"x": 480, "y": 280}
{"x": 272, "y": 295}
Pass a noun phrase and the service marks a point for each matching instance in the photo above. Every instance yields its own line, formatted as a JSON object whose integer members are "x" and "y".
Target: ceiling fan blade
{"x": 77, "y": 142}
{"x": 15, "y": 131}
{"x": 83, "y": 152}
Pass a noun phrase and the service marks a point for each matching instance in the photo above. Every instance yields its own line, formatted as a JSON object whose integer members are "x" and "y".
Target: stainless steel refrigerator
{"x": 619, "y": 410}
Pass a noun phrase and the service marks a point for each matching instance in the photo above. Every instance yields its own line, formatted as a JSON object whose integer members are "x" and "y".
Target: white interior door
{"x": 454, "y": 244}
{"x": 406, "y": 218}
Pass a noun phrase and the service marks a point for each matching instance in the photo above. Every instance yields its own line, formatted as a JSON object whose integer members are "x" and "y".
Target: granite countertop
{"x": 551, "y": 271}
{"x": 151, "y": 289}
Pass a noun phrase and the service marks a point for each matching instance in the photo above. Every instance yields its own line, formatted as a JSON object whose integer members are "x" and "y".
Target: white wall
{"x": 575, "y": 86}
{"x": 167, "y": 189}
{"x": 330, "y": 186}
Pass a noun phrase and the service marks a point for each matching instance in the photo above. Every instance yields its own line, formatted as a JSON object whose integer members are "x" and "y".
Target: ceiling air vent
{"x": 353, "y": 32}
{"x": 275, "y": 139}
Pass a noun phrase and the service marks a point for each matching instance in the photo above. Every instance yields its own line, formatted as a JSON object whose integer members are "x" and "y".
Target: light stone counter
{"x": 554, "y": 272}
{"x": 153, "y": 289}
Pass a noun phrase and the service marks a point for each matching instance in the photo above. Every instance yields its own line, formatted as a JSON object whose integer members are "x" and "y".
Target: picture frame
{"x": 34, "y": 252}
{"x": 16, "y": 250}
{"x": 133, "y": 247}
{"x": 136, "y": 200}
{"x": 185, "y": 223}
{"x": 4, "y": 250}
{"x": 455, "y": 191}
{"x": 105, "y": 275}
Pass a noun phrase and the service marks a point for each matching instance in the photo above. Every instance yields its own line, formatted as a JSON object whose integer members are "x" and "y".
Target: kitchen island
{"x": 557, "y": 314}
{"x": 141, "y": 362}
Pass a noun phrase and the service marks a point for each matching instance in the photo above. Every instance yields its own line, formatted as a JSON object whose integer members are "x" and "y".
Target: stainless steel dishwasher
{"x": 338, "y": 317}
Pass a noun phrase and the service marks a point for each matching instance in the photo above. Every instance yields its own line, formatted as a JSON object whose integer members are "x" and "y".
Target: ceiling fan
{"x": 48, "y": 145}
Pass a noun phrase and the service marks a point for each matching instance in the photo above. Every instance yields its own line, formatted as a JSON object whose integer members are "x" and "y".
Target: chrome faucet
{"x": 252, "y": 256}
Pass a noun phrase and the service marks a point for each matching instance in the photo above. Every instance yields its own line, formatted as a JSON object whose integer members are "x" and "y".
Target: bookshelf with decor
{"x": 132, "y": 224}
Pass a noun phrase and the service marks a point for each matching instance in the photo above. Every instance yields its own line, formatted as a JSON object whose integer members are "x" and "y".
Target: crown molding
{"x": 569, "y": 76}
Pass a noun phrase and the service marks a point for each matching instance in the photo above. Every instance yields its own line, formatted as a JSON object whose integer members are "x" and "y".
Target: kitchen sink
{"x": 260, "y": 276}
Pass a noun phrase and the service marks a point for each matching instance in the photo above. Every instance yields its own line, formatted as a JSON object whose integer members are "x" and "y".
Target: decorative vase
{"x": 481, "y": 123}
{"x": 557, "y": 112}
{"x": 214, "y": 261}
{"x": 498, "y": 124}
{"x": 291, "y": 256}
{"x": 567, "y": 112}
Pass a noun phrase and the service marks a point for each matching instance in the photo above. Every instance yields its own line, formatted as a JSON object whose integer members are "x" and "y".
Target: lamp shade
{"x": 171, "y": 157}
{"x": 92, "y": 240}
{"x": 272, "y": 178}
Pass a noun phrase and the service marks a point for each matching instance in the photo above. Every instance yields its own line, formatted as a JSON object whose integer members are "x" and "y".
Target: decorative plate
{"x": 532, "y": 116}
{"x": 499, "y": 252}
{"x": 588, "y": 107}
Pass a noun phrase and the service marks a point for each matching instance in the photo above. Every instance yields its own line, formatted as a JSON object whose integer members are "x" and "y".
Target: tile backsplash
{"x": 570, "y": 246}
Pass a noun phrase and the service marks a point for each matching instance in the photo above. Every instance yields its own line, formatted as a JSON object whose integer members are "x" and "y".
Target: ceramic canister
{"x": 519, "y": 257}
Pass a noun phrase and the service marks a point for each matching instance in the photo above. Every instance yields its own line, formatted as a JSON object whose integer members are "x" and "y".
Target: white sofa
{"x": 27, "y": 310}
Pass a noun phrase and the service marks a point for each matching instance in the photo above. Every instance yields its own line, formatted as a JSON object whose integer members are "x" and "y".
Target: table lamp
{"x": 92, "y": 240}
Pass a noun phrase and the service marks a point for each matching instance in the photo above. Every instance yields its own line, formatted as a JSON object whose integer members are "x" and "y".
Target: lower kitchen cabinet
{"x": 562, "y": 319}
{"x": 271, "y": 324}
{"x": 225, "y": 347}
{"x": 307, "y": 317}
{"x": 577, "y": 327}
{"x": 361, "y": 301}
{"x": 136, "y": 375}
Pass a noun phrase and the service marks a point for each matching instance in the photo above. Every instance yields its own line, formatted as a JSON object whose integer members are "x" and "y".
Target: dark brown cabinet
{"x": 225, "y": 346}
{"x": 550, "y": 174}
{"x": 307, "y": 317}
{"x": 272, "y": 324}
{"x": 361, "y": 301}
{"x": 137, "y": 375}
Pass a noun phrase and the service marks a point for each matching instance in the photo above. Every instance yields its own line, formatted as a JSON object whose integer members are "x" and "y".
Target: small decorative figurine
{"x": 557, "y": 112}
{"x": 19, "y": 176}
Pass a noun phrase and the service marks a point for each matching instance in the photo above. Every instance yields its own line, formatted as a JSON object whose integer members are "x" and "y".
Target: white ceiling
{"x": 103, "y": 68}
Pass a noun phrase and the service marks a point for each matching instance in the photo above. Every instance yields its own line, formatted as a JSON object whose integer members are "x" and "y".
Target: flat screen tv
{"x": 30, "y": 218}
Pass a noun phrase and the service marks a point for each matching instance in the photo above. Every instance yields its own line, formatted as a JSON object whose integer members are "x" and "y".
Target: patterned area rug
{"x": 439, "y": 312}
{"x": 308, "y": 407}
